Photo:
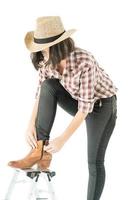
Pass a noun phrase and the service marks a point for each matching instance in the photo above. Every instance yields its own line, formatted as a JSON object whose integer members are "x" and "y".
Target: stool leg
{"x": 49, "y": 185}
{"x": 39, "y": 192}
{"x": 33, "y": 189}
{"x": 11, "y": 185}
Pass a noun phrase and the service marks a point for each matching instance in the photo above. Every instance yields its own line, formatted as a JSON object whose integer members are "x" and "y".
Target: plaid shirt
{"x": 82, "y": 78}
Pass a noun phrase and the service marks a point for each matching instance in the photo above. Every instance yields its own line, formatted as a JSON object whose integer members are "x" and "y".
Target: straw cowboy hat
{"x": 49, "y": 31}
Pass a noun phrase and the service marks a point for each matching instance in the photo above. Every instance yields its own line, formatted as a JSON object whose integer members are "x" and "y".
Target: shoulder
{"x": 84, "y": 58}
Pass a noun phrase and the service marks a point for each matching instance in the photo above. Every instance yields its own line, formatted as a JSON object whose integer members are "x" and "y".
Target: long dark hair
{"x": 57, "y": 53}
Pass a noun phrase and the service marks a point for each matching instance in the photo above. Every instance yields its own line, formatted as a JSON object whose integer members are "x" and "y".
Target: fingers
{"x": 35, "y": 134}
{"x": 49, "y": 149}
{"x": 31, "y": 141}
{"x": 46, "y": 148}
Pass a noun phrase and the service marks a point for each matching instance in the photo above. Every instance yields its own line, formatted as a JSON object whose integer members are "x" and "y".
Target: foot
{"x": 31, "y": 159}
{"x": 44, "y": 163}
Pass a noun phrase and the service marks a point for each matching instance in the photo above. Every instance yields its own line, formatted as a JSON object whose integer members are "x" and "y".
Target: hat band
{"x": 47, "y": 40}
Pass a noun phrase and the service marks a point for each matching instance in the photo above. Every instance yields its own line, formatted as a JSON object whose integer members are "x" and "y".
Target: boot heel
{"x": 44, "y": 163}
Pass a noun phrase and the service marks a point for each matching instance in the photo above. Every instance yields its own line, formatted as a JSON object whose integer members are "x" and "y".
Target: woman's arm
{"x": 57, "y": 143}
{"x": 30, "y": 133}
{"x": 34, "y": 113}
{"x": 74, "y": 124}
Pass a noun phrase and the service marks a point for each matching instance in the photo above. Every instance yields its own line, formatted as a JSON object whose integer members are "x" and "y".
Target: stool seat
{"x": 32, "y": 175}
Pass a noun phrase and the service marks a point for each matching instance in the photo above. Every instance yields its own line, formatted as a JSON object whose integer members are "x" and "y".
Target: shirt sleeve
{"x": 86, "y": 89}
{"x": 40, "y": 80}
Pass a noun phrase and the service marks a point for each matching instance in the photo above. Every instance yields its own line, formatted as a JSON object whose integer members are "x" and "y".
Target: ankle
{"x": 45, "y": 142}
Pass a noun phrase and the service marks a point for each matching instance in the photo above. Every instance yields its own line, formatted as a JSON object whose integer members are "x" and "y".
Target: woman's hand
{"x": 31, "y": 137}
{"x": 55, "y": 145}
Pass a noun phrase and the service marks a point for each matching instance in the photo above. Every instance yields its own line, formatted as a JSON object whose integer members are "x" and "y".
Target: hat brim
{"x": 35, "y": 47}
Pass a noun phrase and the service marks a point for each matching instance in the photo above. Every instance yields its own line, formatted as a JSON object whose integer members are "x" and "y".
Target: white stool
{"x": 33, "y": 176}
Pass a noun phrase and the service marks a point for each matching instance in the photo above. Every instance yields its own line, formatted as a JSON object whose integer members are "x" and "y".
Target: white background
{"x": 110, "y": 30}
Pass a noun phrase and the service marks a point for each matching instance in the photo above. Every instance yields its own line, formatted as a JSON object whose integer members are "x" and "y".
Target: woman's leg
{"x": 100, "y": 124}
{"x": 52, "y": 92}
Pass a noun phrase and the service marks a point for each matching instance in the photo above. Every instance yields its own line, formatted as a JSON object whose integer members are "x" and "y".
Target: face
{"x": 45, "y": 53}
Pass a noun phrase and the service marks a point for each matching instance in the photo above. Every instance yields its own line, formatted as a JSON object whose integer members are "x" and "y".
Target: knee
{"x": 94, "y": 165}
{"x": 47, "y": 85}
{"x": 92, "y": 168}
{"x": 47, "y": 82}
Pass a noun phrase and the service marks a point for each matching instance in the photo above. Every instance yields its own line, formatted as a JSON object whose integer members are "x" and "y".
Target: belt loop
{"x": 100, "y": 104}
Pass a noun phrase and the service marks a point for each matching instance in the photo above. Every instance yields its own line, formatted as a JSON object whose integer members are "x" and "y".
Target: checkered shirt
{"x": 82, "y": 77}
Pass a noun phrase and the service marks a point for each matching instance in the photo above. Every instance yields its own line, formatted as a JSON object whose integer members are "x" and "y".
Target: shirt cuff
{"x": 85, "y": 107}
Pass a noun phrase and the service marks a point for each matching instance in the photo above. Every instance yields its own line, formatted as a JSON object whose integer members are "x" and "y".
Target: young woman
{"x": 71, "y": 78}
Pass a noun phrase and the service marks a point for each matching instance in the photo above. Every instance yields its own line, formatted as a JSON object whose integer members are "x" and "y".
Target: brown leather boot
{"x": 31, "y": 159}
{"x": 44, "y": 163}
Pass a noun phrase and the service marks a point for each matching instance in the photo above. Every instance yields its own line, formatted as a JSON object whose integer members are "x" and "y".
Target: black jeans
{"x": 99, "y": 125}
